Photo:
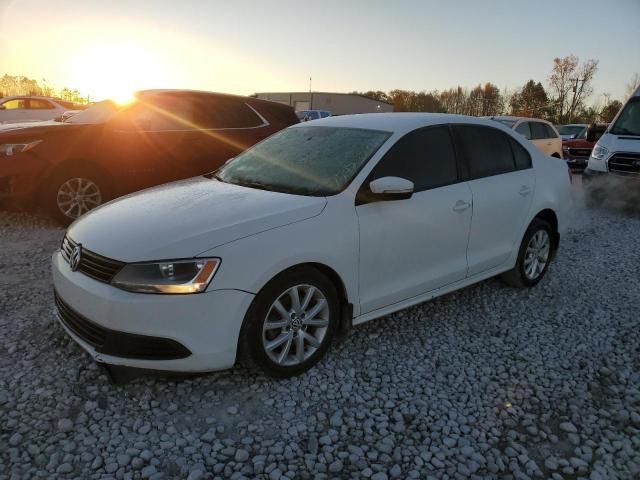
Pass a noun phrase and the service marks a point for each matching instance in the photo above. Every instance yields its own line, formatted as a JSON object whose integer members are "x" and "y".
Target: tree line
{"x": 11, "y": 85}
{"x": 569, "y": 85}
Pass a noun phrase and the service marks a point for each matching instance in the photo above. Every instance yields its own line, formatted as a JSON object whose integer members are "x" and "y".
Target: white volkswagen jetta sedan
{"x": 322, "y": 226}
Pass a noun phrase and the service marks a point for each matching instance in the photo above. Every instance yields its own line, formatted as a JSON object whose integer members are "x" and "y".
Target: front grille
{"x": 93, "y": 334}
{"x": 91, "y": 264}
{"x": 625, "y": 163}
{"x": 119, "y": 344}
{"x": 580, "y": 152}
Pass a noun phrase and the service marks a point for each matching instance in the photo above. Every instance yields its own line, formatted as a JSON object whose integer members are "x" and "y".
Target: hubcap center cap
{"x": 296, "y": 324}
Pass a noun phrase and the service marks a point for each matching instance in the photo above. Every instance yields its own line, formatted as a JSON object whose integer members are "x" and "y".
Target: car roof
{"x": 39, "y": 97}
{"x": 399, "y": 122}
{"x": 516, "y": 119}
{"x": 250, "y": 100}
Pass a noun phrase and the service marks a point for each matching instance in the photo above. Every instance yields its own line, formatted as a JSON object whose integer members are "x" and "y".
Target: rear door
{"x": 502, "y": 182}
{"x": 409, "y": 247}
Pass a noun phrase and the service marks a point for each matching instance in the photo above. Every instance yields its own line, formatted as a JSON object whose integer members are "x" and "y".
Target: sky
{"x": 112, "y": 48}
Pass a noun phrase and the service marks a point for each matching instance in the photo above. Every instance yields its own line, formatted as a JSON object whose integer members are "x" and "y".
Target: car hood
{"x": 186, "y": 218}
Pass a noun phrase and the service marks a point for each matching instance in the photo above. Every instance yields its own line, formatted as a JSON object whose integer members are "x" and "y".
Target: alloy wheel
{"x": 77, "y": 196}
{"x": 537, "y": 254}
{"x": 295, "y": 325}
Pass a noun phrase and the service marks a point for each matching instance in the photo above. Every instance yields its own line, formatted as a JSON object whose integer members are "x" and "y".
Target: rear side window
{"x": 425, "y": 156}
{"x": 550, "y": 132}
{"x": 280, "y": 115}
{"x": 212, "y": 112}
{"x": 520, "y": 155}
{"x": 538, "y": 131}
{"x": 487, "y": 150}
{"x": 524, "y": 130}
{"x": 161, "y": 113}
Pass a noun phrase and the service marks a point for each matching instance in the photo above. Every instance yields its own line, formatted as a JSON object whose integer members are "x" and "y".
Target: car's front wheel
{"x": 534, "y": 256}
{"x": 69, "y": 195}
{"x": 290, "y": 323}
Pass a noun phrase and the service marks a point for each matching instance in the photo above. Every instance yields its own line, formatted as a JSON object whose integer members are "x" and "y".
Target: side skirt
{"x": 410, "y": 302}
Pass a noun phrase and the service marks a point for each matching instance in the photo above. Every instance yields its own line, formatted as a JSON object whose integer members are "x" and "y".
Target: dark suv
{"x": 108, "y": 150}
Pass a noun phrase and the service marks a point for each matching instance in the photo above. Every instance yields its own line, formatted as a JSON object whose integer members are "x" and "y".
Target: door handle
{"x": 461, "y": 206}
{"x": 524, "y": 191}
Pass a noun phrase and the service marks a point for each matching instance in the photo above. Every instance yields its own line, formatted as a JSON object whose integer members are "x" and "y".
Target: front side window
{"x": 487, "y": 150}
{"x": 524, "y": 130}
{"x": 538, "y": 132}
{"x": 38, "y": 104}
{"x": 16, "y": 103}
{"x": 426, "y": 157}
{"x": 628, "y": 122}
{"x": 158, "y": 113}
{"x": 305, "y": 160}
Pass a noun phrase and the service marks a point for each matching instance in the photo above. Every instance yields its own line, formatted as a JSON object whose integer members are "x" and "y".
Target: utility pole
{"x": 575, "y": 91}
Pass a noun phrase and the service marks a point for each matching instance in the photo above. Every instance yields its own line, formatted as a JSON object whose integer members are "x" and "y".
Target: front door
{"x": 409, "y": 247}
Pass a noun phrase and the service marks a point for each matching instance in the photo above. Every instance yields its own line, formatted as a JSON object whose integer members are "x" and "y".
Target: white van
{"x": 614, "y": 164}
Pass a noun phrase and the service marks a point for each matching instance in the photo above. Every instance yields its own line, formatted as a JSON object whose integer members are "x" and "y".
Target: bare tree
{"x": 570, "y": 84}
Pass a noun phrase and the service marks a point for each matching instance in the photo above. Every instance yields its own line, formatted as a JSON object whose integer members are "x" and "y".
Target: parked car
{"x": 106, "y": 151}
{"x": 32, "y": 109}
{"x": 571, "y": 131}
{"x": 541, "y": 133}
{"x": 306, "y": 115}
{"x": 614, "y": 164}
{"x": 576, "y": 150}
{"x": 323, "y": 225}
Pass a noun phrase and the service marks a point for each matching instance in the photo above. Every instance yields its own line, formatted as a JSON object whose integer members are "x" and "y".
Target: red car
{"x": 106, "y": 151}
{"x": 576, "y": 150}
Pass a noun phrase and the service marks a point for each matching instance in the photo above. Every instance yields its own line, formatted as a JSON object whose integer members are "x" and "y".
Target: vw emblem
{"x": 636, "y": 164}
{"x": 76, "y": 255}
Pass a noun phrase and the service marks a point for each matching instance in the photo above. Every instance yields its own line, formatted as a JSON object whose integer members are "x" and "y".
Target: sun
{"x": 116, "y": 70}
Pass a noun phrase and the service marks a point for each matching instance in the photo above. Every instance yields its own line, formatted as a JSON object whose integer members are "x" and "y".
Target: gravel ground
{"x": 488, "y": 382}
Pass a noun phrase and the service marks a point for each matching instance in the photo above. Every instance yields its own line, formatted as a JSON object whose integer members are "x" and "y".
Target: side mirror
{"x": 391, "y": 188}
{"x": 591, "y": 135}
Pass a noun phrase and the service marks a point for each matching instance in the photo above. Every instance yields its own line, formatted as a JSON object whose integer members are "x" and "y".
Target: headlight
{"x": 9, "y": 149}
{"x": 599, "y": 152}
{"x": 180, "y": 276}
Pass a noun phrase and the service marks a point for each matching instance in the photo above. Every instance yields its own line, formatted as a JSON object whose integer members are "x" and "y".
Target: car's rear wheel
{"x": 69, "y": 195}
{"x": 290, "y": 323}
{"x": 534, "y": 256}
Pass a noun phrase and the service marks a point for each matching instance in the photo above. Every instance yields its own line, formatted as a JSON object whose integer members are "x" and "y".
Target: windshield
{"x": 100, "y": 112}
{"x": 305, "y": 160}
{"x": 568, "y": 130}
{"x": 628, "y": 122}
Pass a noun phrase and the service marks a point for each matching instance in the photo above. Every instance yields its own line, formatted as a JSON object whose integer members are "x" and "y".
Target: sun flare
{"x": 117, "y": 70}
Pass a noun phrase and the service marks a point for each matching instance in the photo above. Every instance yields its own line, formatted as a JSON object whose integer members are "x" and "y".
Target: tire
{"x": 521, "y": 274}
{"x": 265, "y": 325}
{"x": 57, "y": 198}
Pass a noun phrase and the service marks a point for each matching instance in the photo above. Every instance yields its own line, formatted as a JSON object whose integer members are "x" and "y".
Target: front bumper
{"x": 576, "y": 163}
{"x": 206, "y": 325}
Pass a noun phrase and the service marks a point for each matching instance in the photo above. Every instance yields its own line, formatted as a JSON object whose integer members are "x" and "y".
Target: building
{"x": 336, "y": 103}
